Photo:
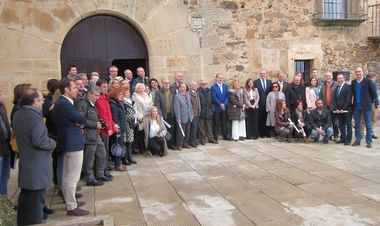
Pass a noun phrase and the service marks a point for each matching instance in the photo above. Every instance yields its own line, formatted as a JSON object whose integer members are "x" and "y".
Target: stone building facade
{"x": 198, "y": 37}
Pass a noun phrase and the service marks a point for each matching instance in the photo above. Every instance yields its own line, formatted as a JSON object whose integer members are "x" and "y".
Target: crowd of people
{"x": 87, "y": 118}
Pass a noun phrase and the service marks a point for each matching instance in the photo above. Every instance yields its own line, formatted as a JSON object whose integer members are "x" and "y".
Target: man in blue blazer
{"x": 364, "y": 93}
{"x": 220, "y": 97}
{"x": 264, "y": 86}
{"x": 183, "y": 112}
{"x": 71, "y": 142}
{"x": 343, "y": 109}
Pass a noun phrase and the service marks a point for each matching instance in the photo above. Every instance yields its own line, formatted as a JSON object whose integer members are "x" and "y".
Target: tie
{"x": 184, "y": 95}
{"x": 221, "y": 88}
{"x": 339, "y": 87}
{"x": 264, "y": 86}
{"x": 280, "y": 86}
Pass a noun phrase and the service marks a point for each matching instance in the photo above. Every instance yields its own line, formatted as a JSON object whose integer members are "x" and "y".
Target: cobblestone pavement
{"x": 252, "y": 182}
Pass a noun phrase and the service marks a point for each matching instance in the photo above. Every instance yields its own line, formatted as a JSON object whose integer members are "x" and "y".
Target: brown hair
{"x": 278, "y": 108}
{"x": 311, "y": 80}
{"x": 114, "y": 93}
{"x": 246, "y": 84}
{"x": 18, "y": 91}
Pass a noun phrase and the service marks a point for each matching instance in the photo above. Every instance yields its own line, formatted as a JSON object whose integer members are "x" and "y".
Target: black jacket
{"x": 317, "y": 120}
{"x": 292, "y": 94}
{"x": 207, "y": 104}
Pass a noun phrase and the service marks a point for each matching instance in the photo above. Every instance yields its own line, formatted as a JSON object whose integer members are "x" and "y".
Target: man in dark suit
{"x": 281, "y": 81}
{"x": 113, "y": 73}
{"x": 343, "y": 109}
{"x": 294, "y": 92}
{"x": 364, "y": 93}
{"x": 164, "y": 102}
{"x": 34, "y": 147}
{"x": 183, "y": 112}
{"x": 220, "y": 97}
{"x": 264, "y": 86}
{"x": 70, "y": 140}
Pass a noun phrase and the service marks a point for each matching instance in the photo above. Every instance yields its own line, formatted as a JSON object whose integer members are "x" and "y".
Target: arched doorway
{"x": 99, "y": 42}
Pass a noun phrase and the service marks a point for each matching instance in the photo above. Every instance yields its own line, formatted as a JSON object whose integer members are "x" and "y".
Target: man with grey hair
{"x": 84, "y": 78}
{"x": 327, "y": 95}
{"x": 94, "y": 146}
{"x": 140, "y": 79}
{"x": 113, "y": 73}
{"x": 281, "y": 81}
{"x": 195, "y": 102}
{"x": 207, "y": 112}
{"x": 295, "y": 91}
{"x": 128, "y": 75}
{"x": 164, "y": 102}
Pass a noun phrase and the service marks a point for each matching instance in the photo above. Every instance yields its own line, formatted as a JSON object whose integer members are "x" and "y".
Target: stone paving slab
{"x": 252, "y": 182}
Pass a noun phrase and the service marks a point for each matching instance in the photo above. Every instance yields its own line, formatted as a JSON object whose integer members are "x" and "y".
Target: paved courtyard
{"x": 252, "y": 182}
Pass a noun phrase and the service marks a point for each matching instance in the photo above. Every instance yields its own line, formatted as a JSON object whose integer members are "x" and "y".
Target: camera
{"x": 103, "y": 123}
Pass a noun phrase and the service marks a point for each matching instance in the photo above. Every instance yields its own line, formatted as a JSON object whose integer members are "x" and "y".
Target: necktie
{"x": 264, "y": 86}
{"x": 184, "y": 95}
{"x": 221, "y": 88}
{"x": 339, "y": 88}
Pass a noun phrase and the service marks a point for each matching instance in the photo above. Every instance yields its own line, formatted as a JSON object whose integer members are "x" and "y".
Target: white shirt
{"x": 154, "y": 128}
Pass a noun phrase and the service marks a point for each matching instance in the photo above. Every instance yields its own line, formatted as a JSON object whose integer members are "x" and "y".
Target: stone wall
{"x": 237, "y": 38}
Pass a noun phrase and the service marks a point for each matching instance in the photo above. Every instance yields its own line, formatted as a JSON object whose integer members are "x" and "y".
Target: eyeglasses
{"x": 275, "y": 86}
{"x": 41, "y": 99}
{"x": 203, "y": 83}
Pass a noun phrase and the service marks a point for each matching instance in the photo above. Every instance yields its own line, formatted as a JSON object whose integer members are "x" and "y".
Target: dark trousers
{"x": 156, "y": 145}
{"x": 345, "y": 126}
{"x": 183, "y": 141}
{"x": 335, "y": 124}
{"x": 263, "y": 128}
{"x": 106, "y": 141}
{"x": 205, "y": 130}
{"x": 251, "y": 123}
{"x": 220, "y": 117}
{"x": 30, "y": 206}
{"x": 172, "y": 130}
{"x": 193, "y": 131}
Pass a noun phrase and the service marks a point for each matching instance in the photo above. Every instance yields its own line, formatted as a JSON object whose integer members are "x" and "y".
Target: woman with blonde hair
{"x": 142, "y": 105}
{"x": 237, "y": 111}
{"x": 114, "y": 83}
{"x": 155, "y": 131}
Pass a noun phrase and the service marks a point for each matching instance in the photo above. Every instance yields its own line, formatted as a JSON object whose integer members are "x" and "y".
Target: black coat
{"x": 118, "y": 114}
{"x": 317, "y": 120}
{"x": 292, "y": 94}
{"x": 343, "y": 101}
{"x": 207, "y": 103}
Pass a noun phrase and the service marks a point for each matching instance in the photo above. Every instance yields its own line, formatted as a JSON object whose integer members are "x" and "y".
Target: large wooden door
{"x": 98, "y": 42}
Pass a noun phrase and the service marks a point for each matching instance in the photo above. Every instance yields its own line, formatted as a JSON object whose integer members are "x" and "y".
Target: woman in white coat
{"x": 272, "y": 98}
{"x": 312, "y": 94}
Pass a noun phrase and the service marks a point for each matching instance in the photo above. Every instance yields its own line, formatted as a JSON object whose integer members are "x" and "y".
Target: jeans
{"x": 5, "y": 173}
{"x": 358, "y": 110}
{"x": 328, "y": 134}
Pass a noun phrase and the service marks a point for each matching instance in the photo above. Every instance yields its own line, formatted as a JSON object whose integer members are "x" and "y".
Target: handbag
{"x": 252, "y": 101}
{"x": 168, "y": 136}
{"x": 13, "y": 142}
{"x": 118, "y": 150}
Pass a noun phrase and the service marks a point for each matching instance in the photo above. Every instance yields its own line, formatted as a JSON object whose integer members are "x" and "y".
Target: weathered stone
{"x": 229, "y": 5}
{"x": 176, "y": 62}
{"x": 239, "y": 67}
{"x": 250, "y": 33}
{"x": 339, "y": 47}
{"x": 235, "y": 43}
{"x": 302, "y": 24}
{"x": 211, "y": 42}
{"x": 217, "y": 15}
{"x": 230, "y": 56}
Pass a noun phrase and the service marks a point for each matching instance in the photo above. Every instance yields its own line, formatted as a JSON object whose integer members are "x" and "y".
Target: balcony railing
{"x": 374, "y": 20}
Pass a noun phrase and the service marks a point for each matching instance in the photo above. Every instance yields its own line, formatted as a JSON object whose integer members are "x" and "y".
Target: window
{"x": 339, "y": 13}
{"x": 304, "y": 67}
{"x": 334, "y": 9}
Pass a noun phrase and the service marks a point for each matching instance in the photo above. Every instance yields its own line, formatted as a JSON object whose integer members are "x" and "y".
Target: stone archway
{"x": 98, "y": 42}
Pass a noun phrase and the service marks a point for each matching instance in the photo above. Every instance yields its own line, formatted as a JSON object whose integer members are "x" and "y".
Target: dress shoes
{"x": 227, "y": 138}
{"x": 45, "y": 216}
{"x": 193, "y": 145}
{"x": 213, "y": 141}
{"x": 77, "y": 212}
{"x": 374, "y": 136}
{"x": 187, "y": 146}
{"x": 203, "y": 142}
{"x": 79, "y": 204}
{"x": 262, "y": 137}
{"x": 269, "y": 136}
{"x": 104, "y": 178}
{"x": 179, "y": 148}
{"x": 78, "y": 195}
{"x": 108, "y": 175}
{"x": 340, "y": 142}
{"x": 369, "y": 145}
{"x": 173, "y": 147}
{"x": 255, "y": 138}
{"x": 121, "y": 168}
{"x": 347, "y": 143}
{"x": 325, "y": 141}
{"x": 95, "y": 183}
{"x": 46, "y": 210}
{"x": 109, "y": 168}
{"x": 306, "y": 140}
{"x": 356, "y": 143}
